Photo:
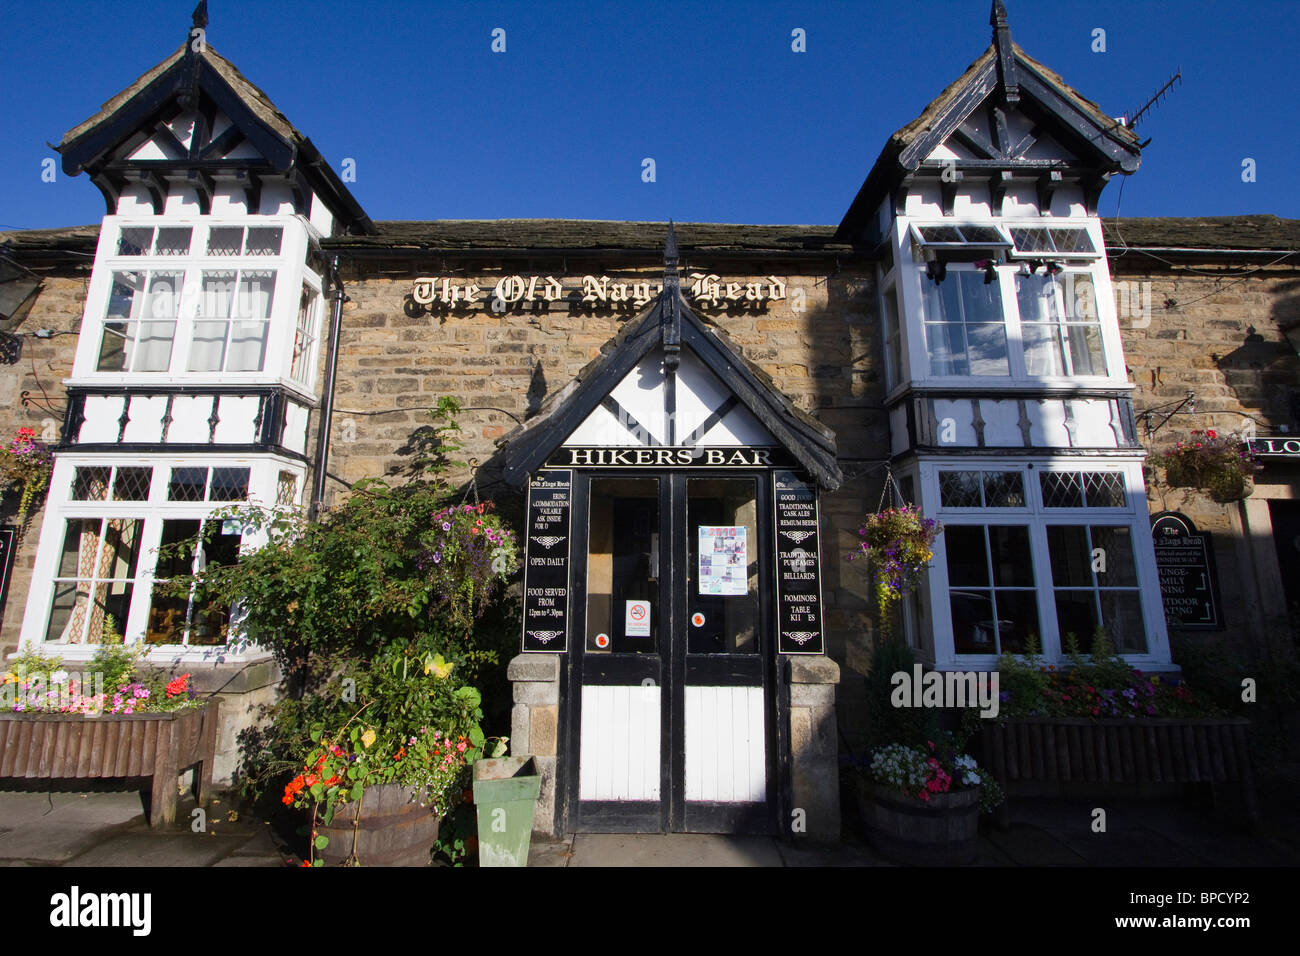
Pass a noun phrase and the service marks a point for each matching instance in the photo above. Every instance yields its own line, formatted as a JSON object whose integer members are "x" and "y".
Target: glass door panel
{"x": 722, "y": 570}
{"x": 623, "y": 566}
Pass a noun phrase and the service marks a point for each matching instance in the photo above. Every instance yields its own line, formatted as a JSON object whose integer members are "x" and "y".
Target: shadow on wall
{"x": 1263, "y": 374}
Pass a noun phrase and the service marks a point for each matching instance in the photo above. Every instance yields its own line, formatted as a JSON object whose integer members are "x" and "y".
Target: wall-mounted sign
{"x": 8, "y": 542}
{"x": 1189, "y": 581}
{"x": 726, "y": 456}
{"x": 724, "y": 560}
{"x": 1277, "y": 447}
{"x": 704, "y": 290}
{"x": 798, "y": 565}
{"x": 546, "y": 562}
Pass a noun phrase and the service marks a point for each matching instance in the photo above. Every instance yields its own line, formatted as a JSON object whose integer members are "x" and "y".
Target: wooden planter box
{"x": 1121, "y": 751}
{"x": 131, "y": 746}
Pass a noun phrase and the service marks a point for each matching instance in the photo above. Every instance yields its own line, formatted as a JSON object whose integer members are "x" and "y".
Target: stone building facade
{"x": 833, "y": 347}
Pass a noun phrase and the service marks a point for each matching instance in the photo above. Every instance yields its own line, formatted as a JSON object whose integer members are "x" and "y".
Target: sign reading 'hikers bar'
{"x": 798, "y": 566}
{"x": 581, "y": 456}
{"x": 546, "y": 566}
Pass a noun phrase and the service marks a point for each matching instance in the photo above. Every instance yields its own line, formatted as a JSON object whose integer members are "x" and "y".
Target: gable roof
{"x": 811, "y": 443}
{"x": 1113, "y": 146}
{"x": 88, "y": 144}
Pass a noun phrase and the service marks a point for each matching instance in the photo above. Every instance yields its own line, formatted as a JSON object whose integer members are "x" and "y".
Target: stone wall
{"x": 1217, "y": 331}
{"x": 38, "y": 375}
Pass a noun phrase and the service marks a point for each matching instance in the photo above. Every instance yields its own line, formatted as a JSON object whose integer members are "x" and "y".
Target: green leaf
{"x": 356, "y": 791}
{"x": 321, "y": 842}
{"x": 317, "y": 791}
{"x": 476, "y": 736}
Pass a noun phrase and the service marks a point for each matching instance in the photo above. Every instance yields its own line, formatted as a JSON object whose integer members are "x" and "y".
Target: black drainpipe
{"x": 327, "y": 400}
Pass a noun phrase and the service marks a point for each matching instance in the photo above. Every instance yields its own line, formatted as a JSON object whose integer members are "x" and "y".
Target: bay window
{"x": 202, "y": 300}
{"x": 1008, "y": 299}
{"x": 115, "y": 534}
{"x": 1043, "y": 561}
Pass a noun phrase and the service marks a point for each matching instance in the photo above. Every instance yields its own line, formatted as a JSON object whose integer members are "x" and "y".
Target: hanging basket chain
{"x": 890, "y": 489}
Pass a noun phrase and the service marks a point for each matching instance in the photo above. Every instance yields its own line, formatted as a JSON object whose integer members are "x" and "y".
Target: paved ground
{"x": 108, "y": 829}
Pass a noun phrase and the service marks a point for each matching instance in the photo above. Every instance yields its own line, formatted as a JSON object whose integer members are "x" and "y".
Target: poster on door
{"x": 724, "y": 560}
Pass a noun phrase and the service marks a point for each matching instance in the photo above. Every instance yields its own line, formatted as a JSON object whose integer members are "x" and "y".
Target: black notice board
{"x": 8, "y": 541}
{"x": 798, "y": 565}
{"x": 546, "y": 562}
{"x": 1189, "y": 580}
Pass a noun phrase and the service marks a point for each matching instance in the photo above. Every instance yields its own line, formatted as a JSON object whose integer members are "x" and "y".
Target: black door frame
{"x": 669, "y": 668}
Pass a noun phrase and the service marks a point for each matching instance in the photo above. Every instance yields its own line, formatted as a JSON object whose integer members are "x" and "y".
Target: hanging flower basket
{"x": 25, "y": 466}
{"x": 897, "y": 544}
{"x": 1220, "y": 465}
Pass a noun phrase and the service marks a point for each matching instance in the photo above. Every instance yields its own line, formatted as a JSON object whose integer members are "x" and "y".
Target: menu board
{"x": 724, "y": 560}
{"x": 546, "y": 562}
{"x": 798, "y": 565}
{"x": 7, "y": 537}
{"x": 1189, "y": 583}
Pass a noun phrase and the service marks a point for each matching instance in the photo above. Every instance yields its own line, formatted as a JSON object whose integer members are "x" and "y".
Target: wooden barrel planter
{"x": 1154, "y": 750}
{"x": 57, "y": 746}
{"x": 941, "y": 831}
{"x": 393, "y": 830}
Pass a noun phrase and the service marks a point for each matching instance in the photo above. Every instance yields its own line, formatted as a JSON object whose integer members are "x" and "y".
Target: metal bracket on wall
{"x": 1177, "y": 407}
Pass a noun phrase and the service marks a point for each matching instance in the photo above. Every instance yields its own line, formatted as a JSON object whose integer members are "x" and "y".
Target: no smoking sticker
{"x": 636, "y": 619}
{"x": 697, "y": 619}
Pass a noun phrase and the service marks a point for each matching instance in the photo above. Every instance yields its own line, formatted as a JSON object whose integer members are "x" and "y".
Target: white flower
{"x": 58, "y": 677}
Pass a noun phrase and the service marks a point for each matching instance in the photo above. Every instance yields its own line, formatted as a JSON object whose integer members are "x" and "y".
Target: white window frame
{"x": 291, "y": 274}
{"x": 1037, "y": 518}
{"x": 910, "y": 284}
{"x": 60, "y": 508}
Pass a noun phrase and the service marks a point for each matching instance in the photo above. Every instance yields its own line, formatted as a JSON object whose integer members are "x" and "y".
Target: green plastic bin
{"x": 505, "y": 794}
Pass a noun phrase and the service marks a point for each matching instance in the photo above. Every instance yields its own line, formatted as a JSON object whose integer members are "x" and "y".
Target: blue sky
{"x": 741, "y": 128}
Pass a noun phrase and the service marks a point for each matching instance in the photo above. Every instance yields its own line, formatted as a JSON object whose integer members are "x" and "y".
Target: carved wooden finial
{"x": 671, "y": 314}
{"x": 1005, "y": 54}
{"x": 200, "y": 20}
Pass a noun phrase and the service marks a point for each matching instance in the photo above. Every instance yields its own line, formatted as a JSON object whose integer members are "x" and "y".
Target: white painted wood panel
{"x": 961, "y": 412}
{"x": 190, "y": 419}
{"x": 101, "y": 418}
{"x": 145, "y": 418}
{"x": 237, "y": 414}
{"x": 295, "y": 427}
{"x": 619, "y": 755}
{"x": 1092, "y": 418}
{"x": 1001, "y": 423}
{"x": 1047, "y": 424}
{"x": 725, "y": 745}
